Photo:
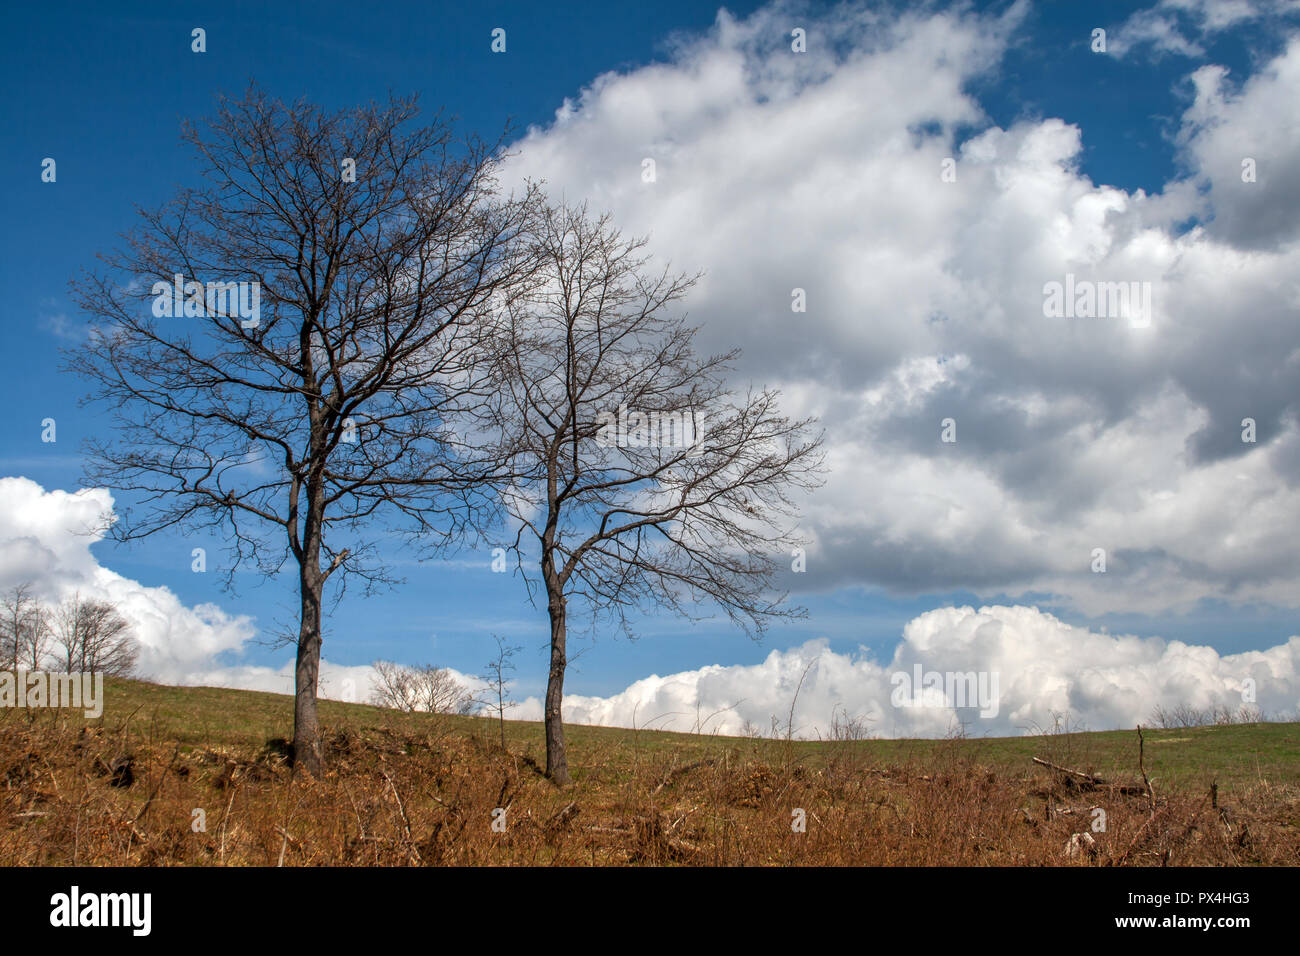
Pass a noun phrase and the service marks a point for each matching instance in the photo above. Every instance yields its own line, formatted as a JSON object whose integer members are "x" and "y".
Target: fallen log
{"x": 1091, "y": 780}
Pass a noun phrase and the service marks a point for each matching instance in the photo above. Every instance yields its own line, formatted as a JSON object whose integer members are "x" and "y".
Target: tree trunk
{"x": 306, "y": 728}
{"x": 501, "y": 709}
{"x": 557, "y": 762}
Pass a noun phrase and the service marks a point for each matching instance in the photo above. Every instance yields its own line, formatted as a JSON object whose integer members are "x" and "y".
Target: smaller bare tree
{"x": 94, "y": 638}
{"x": 498, "y": 684}
{"x": 645, "y": 480}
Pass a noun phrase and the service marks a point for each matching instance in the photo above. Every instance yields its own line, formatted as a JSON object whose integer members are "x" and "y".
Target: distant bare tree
{"x": 94, "y": 638}
{"x": 394, "y": 686}
{"x": 646, "y": 482}
{"x": 1184, "y": 715}
{"x": 424, "y": 688}
{"x": 24, "y": 629}
{"x": 15, "y": 609}
{"x": 36, "y": 640}
{"x": 378, "y": 254}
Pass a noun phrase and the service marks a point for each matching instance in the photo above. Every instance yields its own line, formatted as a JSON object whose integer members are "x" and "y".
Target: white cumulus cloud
{"x": 822, "y": 171}
{"x": 1043, "y": 666}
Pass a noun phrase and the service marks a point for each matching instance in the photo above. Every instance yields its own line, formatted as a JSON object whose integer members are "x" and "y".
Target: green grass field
{"x": 1233, "y": 755}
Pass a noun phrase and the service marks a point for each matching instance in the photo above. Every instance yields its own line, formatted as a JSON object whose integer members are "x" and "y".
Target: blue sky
{"x": 102, "y": 90}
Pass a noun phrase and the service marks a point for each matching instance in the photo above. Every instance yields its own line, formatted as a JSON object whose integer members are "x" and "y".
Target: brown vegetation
{"x": 101, "y": 795}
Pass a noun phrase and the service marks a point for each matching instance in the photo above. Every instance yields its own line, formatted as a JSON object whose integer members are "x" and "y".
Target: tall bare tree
{"x": 649, "y": 483}
{"x": 373, "y": 253}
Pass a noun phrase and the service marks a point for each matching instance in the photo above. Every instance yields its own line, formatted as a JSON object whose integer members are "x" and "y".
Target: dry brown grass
{"x": 124, "y": 795}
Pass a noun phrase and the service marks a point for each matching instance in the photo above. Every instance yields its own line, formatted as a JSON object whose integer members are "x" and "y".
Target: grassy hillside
{"x": 198, "y": 776}
{"x": 1239, "y": 754}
